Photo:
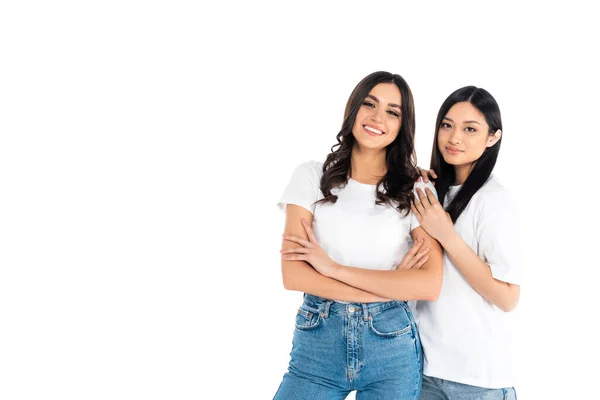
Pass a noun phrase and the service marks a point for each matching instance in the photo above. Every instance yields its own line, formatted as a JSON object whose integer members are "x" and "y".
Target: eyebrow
{"x": 377, "y": 101}
{"x": 464, "y": 122}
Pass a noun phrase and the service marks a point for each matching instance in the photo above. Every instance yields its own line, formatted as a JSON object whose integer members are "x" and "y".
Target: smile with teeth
{"x": 372, "y": 130}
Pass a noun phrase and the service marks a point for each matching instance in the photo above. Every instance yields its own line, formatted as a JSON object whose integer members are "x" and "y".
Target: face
{"x": 464, "y": 135}
{"x": 379, "y": 117}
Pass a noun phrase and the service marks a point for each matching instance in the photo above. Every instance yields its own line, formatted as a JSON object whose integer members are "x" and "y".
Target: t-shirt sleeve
{"x": 414, "y": 222}
{"x": 499, "y": 235}
{"x": 303, "y": 188}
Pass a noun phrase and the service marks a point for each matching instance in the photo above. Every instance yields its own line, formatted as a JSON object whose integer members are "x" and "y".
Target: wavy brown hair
{"x": 397, "y": 184}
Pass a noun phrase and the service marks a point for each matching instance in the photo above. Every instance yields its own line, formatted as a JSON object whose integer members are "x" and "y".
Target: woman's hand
{"x": 425, "y": 174}
{"x": 310, "y": 252}
{"x": 414, "y": 259}
{"x": 432, "y": 216}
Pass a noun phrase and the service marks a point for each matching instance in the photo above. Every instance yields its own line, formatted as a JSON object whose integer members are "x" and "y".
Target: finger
{"x": 416, "y": 213}
{"x": 297, "y": 250}
{"x": 424, "y": 175}
{"x": 417, "y": 204}
{"x": 423, "y": 198}
{"x": 422, "y": 253}
{"x": 433, "y": 174}
{"x": 294, "y": 257}
{"x": 416, "y": 258}
{"x": 309, "y": 231}
{"x": 415, "y": 247}
{"x": 410, "y": 254}
{"x": 298, "y": 240}
{"x": 431, "y": 196}
{"x": 421, "y": 262}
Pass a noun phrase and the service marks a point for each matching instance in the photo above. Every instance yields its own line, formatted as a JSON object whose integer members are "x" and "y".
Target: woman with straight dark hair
{"x": 466, "y": 334}
{"x": 347, "y": 247}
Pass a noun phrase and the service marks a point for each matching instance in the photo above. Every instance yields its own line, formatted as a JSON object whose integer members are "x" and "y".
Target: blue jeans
{"x": 441, "y": 389}
{"x": 337, "y": 348}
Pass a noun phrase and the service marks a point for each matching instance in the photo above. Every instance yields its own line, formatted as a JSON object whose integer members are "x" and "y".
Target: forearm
{"x": 479, "y": 275}
{"x": 298, "y": 275}
{"x": 400, "y": 284}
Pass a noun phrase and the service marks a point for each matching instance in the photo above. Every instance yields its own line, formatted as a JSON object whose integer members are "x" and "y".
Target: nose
{"x": 455, "y": 136}
{"x": 377, "y": 115}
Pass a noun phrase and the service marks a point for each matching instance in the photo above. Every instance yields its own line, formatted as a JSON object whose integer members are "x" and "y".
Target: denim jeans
{"x": 441, "y": 389}
{"x": 372, "y": 348}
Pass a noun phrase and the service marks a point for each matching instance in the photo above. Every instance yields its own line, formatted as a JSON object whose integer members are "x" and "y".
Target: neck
{"x": 368, "y": 166}
{"x": 461, "y": 173}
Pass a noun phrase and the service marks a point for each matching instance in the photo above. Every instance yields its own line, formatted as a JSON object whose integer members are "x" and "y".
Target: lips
{"x": 453, "y": 150}
{"x": 373, "y": 131}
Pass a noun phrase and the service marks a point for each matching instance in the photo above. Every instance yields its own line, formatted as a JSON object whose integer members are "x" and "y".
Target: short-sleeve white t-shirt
{"x": 353, "y": 231}
{"x": 465, "y": 338}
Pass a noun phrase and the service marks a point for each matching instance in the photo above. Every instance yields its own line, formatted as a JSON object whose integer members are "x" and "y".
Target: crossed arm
{"x": 309, "y": 269}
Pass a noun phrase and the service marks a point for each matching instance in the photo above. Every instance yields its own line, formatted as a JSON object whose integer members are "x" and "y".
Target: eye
{"x": 470, "y": 129}
{"x": 446, "y": 125}
{"x": 368, "y": 104}
{"x": 394, "y": 113}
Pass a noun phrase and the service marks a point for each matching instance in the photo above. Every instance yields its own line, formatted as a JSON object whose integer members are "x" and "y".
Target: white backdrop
{"x": 144, "y": 145}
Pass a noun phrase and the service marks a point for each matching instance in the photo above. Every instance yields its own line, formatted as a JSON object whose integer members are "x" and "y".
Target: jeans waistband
{"x": 326, "y": 306}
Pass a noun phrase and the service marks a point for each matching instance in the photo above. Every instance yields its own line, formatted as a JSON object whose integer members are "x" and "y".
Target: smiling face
{"x": 379, "y": 118}
{"x": 463, "y": 136}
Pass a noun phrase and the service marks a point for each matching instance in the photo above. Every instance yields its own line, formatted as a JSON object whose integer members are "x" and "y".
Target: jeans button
{"x": 351, "y": 309}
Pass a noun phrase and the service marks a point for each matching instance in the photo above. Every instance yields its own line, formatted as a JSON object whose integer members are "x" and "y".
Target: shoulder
{"x": 303, "y": 188}
{"x": 422, "y": 185}
{"x": 492, "y": 189}
{"x": 310, "y": 169}
{"x": 493, "y": 195}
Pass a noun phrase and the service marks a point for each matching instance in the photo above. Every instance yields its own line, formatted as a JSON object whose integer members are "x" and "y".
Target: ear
{"x": 493, "y": 138}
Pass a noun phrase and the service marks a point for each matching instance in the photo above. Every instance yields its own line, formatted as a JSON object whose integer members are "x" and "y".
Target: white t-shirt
{"x": 465, "y": 338}
{"x": 354, "y": 231}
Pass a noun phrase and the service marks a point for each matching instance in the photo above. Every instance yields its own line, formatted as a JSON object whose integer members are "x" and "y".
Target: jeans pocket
{"x": 510, "y": 393}
{"x": 307, "y": 318}
{"x": 392, "y": 322}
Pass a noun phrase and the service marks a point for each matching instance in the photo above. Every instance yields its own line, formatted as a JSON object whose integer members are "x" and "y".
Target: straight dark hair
{"x": 400, "y": 154}
{"x": 483, "y": 101}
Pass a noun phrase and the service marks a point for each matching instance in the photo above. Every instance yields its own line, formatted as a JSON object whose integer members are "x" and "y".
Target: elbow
{"x": 435, "y": 287}
{"x": 434, "y": 292}
{"x": 511, "y": 301}
{"x": 434, "y": 295}
{"x": 432, "y": 282}
{"x": 508, "y": 306}
{"x": 288, "y": 282}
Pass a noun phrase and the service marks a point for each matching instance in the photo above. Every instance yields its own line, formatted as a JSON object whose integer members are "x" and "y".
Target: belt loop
{"x": 365, "y": 312}
{"x": 325, "y": 312}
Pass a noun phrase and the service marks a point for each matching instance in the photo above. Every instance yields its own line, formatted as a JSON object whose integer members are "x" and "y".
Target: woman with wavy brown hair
{"x": 347, "y": 246}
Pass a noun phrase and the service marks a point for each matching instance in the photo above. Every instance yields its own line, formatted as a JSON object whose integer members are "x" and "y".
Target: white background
{"x": 144, "y": 145}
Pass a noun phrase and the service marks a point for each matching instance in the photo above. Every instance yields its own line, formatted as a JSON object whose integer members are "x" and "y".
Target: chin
{"x": 451, "y": 162}
{"x": 454, "y": 160}
{"x": 367, "y": 144}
